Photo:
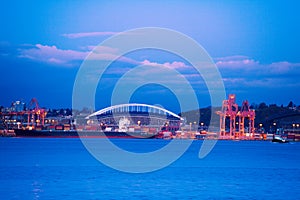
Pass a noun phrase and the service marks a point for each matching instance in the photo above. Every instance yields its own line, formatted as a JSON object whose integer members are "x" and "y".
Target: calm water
{"x": 35, "y": 168}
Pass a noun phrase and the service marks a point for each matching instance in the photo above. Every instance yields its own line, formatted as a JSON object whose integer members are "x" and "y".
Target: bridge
{"x": 137, "y": 114}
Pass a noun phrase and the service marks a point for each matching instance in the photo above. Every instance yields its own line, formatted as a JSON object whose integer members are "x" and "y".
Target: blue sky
{"x": 255, "y": 45}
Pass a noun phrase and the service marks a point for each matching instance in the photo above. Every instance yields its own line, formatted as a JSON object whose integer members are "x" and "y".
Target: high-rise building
{"x": 18, "y": 106}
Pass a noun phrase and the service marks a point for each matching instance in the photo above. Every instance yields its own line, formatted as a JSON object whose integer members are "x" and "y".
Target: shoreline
{"x": 214, "y": 136}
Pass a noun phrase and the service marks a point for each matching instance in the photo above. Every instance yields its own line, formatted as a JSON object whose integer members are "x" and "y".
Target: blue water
{"x": 35, "y": 168}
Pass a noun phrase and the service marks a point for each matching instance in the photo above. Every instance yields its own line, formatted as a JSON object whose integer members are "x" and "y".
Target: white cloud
{"x": 242, "y": 73}
{"x": 236, "y": 62}
{"x": 243, "y": 64}
{"x": 88, "y": 34}
{"x": 110, "y": 57}
{"x": 283, "y": 67}
{"x": 51, "y": 54}
{"x": 230, "y": 58}
{"x": 173, "y": 65}
{"x": 102, "y": 49}
{"x": 54, "y": 55}
{"x": 237, "y": 71}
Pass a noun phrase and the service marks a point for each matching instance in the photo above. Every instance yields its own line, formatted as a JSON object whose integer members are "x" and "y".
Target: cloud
{"x": 110, "y": 57}
{"x": 173, "y": 65}
{"x": 236, "y": 62}
{"x": 230, "y": 58}
{"x": 243, "y": 73}
{"x": 243, "y": 64}
{"x": 56, "y": 56}
{"x": 102, "y": 49}
{"x": 283, "y": 67}
{"x": 237, "y": 71}
{"x": 51, "y": 54}
{"x": 88, "y": 34}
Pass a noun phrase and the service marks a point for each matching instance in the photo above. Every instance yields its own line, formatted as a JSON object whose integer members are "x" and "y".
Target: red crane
{"x": 230, "y": 110}
{"x": 244, "y": 113}
{"x": 36, "y": 115}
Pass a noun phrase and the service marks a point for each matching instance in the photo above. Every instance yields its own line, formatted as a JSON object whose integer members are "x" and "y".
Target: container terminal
{"x": 136, "y": 120}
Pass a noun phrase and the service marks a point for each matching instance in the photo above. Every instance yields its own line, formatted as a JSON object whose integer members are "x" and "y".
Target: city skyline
{"x": 254, "y": 44}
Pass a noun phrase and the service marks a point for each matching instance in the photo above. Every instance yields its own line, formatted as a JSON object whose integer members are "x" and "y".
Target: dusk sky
{"x": 255, "y": 45}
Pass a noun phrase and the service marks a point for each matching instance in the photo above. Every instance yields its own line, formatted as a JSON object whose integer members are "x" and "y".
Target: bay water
{"x": 61, "y": 168}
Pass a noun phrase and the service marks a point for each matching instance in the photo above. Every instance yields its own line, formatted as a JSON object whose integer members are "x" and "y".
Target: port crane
{"x": 230, "y": 110}
{"x": 246, "y": 113}
{"x": 35, "y": 116}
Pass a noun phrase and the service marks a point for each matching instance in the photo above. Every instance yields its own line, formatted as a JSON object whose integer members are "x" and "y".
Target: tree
{"x": 291, "y": 105}
{"x": 62, "y": 112}
{"x": 262, "y": 105}
{"x": 272, "y": 106}
{"x": 68, "y": 111}
{"x": 253, "y": 106}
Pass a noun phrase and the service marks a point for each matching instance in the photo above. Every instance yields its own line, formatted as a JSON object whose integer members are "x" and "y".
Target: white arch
{"x": 102, "y": 111}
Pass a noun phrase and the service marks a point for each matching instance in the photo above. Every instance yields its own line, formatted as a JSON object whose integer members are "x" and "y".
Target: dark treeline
{"x": 264, "y": 114}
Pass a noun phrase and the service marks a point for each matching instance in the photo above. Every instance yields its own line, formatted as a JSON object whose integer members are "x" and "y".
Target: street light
{"x": 294, "y": 127}
{"x": 260, "y": 127}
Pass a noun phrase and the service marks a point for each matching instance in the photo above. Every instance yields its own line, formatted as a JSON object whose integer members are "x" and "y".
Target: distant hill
{"x": 266, "y": 115}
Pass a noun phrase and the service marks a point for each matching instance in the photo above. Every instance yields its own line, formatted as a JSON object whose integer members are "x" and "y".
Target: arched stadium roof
{"x": 134, "y": 107}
